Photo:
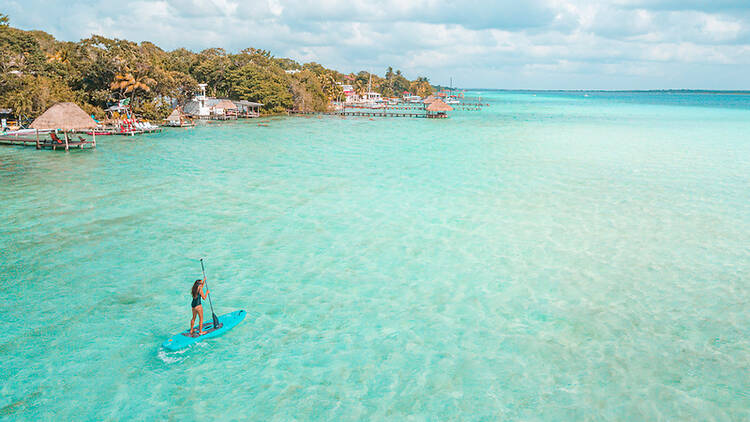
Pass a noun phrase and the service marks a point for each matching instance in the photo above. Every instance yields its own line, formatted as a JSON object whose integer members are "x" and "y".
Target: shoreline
{"x": 614, "y": 91}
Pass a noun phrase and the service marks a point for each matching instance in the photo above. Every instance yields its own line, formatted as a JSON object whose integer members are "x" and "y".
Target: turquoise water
{"x": 553, "y": 257}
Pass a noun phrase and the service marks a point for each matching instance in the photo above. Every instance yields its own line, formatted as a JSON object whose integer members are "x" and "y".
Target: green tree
{"x": 37, "y": 70}
{"x": 331, "y": 88}
{"x": 214, "y": 67}
{"x": 20, "y": 52}
{"x": 129, "y": 84}
{"x": 288, "y": 64}
{"x": 421, "y": 86}
{"x": 261, "y": 84}
{"x": 30, "y": 95}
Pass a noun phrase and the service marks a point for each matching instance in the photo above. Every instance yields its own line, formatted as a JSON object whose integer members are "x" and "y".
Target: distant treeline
{"x": 36, "y": 71}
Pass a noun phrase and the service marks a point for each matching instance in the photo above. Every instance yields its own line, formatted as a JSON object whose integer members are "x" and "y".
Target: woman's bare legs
{"x": 192, "y": 321}
{"x": 200, "y": 316}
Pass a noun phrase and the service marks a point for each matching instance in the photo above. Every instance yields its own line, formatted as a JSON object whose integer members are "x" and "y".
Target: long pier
{"x": 372, "y": 113}
{"x": 378, "y": 113}
{"x": 412, "y": 110}
{"x": 391, "y": 107}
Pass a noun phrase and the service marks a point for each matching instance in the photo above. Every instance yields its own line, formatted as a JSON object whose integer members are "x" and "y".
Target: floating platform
{"x": 46, "y": 143}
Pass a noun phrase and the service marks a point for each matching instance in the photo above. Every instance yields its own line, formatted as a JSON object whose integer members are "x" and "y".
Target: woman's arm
{"x": 204, "y": 294}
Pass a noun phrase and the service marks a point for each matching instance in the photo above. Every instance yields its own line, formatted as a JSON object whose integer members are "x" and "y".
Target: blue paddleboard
{"x": 184, "y": 339}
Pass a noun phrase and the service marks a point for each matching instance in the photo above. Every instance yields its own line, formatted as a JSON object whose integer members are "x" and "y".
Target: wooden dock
{"x": 45, "y": 142}
{"x": 390, "y": 107}
{"x": 371, "y": 113}
{"x": 378, "y": 113}
{"x": 14, "y": 140}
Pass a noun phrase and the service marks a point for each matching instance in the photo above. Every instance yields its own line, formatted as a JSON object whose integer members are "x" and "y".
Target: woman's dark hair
{"x": 194, "y": 290}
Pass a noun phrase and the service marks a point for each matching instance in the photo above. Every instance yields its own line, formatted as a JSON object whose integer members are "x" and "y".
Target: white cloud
{"x": 720, "y": 28}
{"x": 512, "y": 44}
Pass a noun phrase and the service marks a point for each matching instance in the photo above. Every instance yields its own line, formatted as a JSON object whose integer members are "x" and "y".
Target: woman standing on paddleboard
{"x": 197, "y": 293}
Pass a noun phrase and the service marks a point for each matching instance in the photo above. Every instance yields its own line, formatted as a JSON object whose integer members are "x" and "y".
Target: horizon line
{"x": 682, "y": 90}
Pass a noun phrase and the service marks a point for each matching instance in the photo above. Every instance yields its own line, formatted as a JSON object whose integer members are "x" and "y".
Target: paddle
{"x": 216, "y": 320}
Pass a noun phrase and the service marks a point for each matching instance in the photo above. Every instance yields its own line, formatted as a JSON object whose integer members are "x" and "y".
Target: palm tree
{"x": 330, "y": 87}
{"x": 360, "y": 87}
{"x": 127, "y": 83}
{"x": 23, "y": 104}
{"x": 421, "y": 86}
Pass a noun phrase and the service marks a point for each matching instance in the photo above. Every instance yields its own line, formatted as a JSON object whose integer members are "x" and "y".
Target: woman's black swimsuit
{"x": 196, "y": 301}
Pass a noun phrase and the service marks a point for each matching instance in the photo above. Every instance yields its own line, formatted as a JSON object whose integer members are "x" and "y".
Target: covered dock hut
{"x": 438, "y": 109}
{"x": 66, "y": 117}
{"x": 248, "y": 108}
{"x": 224, "y": 109}
{"x": 174, "y": 118}
{"x": 178, "y": 119}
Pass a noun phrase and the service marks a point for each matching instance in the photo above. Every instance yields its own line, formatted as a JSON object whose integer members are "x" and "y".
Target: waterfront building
{"x": 438, "y": 109}
{"x": 68, "y": 118}
{"x": 200, "y": 106}
{"x": 248, "y": 108}
{"x": 224, "y": 109}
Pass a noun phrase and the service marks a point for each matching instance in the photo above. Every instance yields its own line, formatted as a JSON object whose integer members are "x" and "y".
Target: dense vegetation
{"x": 36, "y": 71}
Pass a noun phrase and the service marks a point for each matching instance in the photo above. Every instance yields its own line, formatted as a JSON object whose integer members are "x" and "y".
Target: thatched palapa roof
{"x": 176, "y": 115}
{"x": 225, "y": 104}
{"x": 439, "y": 106}
{"x": 65, "y": 116}
{"x": 429, "y": 99}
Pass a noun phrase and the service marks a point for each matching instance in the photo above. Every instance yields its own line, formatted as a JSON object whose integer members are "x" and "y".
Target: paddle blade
{"x": 216, "y": 320}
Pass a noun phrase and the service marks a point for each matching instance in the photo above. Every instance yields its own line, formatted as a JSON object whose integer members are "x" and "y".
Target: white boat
{"x": 21, "y": 132}
{"x": 412, "y": 99}
{"x": 372, "y": 99}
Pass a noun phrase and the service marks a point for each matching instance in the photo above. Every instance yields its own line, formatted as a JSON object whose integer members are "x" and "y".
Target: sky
{"x": 520, "y": 44}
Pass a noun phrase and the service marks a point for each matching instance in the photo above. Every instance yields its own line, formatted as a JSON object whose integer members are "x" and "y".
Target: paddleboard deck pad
{"x": 185, "y": 339}
{"x": 207, "y": 328}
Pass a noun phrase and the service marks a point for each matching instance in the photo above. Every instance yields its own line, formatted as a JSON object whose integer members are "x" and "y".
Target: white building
{"x": 349, "y": 95}
{"x": 200, "y": 106}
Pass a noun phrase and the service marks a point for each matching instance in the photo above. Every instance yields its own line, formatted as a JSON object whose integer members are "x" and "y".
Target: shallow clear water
{"x": 553, "y": 257}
